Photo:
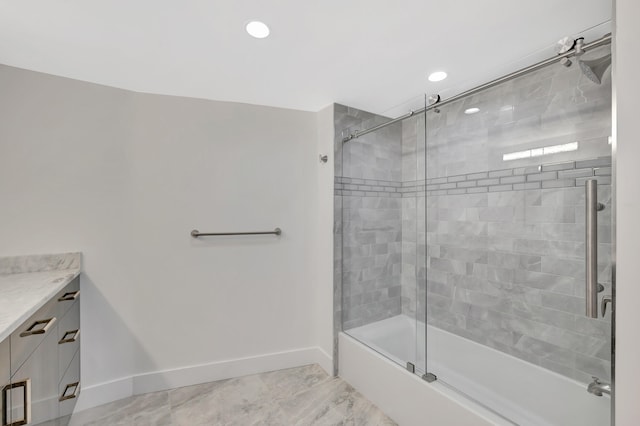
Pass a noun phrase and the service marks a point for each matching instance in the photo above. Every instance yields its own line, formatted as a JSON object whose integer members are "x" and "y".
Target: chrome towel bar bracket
{"x": 195, "y": 233}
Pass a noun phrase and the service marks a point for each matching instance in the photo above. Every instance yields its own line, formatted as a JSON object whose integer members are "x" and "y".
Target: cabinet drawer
{"x": 4, "y": 362}
{"x": 67, "y": 296}
{"x": 31, "y": 333}
{"x": 69, "y": 388}
{"x": 68, "y": 337}
{"x": 33, "y": 394}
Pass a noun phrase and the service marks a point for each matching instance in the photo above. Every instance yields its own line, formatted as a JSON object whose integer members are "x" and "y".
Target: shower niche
{"x": 461, "y": 242}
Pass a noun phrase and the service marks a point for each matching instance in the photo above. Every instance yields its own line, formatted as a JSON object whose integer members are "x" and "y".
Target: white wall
{"x": 123, "y": 178}
{"x": 627, "y": 142}
{"x": 64, "y": 186}
{"x": 323, "y": 261}
{"x": 221, "y": 167}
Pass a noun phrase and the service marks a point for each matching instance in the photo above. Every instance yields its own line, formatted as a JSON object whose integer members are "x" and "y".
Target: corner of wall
{"x": 322, "y": 268}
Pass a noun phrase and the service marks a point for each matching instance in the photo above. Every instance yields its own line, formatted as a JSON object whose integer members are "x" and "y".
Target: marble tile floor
{"x": 296, "y": 396}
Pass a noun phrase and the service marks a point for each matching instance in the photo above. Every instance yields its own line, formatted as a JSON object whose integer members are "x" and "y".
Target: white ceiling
{"x": 372, "y": 54}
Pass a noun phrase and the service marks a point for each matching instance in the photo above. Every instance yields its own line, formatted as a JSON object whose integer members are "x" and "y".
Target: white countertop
{"x": 22, "y": 294}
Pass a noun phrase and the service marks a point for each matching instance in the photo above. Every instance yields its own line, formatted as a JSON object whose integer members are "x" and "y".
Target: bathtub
{"x": 473, "y": 380}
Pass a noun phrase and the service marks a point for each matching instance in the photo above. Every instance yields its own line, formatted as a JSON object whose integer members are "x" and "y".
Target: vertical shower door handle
{"x": 591, "y": 240}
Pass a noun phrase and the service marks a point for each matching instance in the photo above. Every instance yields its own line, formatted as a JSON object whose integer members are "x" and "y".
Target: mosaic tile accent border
{"x": 367, "y": 187}
{"x": 556, "y": 175}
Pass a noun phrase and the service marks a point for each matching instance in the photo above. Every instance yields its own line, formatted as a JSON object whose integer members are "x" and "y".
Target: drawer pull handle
{"x": 70, "y": 336}
{"x": 26, "y": 403}
{"x": 34, "y": 330}
{"x": 75, "y": 386}
{"x": 73, "y": 295}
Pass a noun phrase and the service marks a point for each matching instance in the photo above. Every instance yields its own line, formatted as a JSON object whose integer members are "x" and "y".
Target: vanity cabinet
{"x": 41, "y": 363}
{"x": 5, "y": 374}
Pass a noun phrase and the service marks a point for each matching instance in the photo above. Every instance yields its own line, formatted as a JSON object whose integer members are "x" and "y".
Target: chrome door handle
{"x": 592, "y": 207}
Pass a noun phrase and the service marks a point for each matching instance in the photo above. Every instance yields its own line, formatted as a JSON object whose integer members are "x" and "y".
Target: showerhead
{"x": 595, "y": 69}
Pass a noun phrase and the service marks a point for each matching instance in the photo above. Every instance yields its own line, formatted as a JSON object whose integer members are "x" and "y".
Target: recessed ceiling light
{"x": 437, "y": 76}
{"x": 471, "y": 110}
{"x": 257, "y": 29}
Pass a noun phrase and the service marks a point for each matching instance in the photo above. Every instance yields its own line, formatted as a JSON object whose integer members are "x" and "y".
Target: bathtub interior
{"x": 518, "y": 392}
{"x": 394, "y": 339}
{"x": 397, "y": 338}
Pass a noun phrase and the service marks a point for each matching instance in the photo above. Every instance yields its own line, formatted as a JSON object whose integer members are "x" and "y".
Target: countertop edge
{"x": 55, "y": 288}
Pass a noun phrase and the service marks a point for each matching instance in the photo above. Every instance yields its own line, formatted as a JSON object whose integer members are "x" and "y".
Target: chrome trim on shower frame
{"x": 614, "y": 224}
{"x": 429, "y": 377}
{"x": 597, "y": 43}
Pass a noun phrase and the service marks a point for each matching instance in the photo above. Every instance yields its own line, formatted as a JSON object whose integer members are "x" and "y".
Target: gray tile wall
{"x": 371, "y": 258}
{"x": 413, "y": 215}
{"x": 554, "y": 175}
{"x": 506, "y": 269}
{"x": 367, "y": 233}
{"x": 505, "y": 239}
{"x": 551, "y": 106}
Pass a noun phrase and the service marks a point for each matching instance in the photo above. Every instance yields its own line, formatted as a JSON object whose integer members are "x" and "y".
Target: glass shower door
{"x": 413, "y": 234}
{"x": 506, "y": 254}
{"x": 377, "y": 233}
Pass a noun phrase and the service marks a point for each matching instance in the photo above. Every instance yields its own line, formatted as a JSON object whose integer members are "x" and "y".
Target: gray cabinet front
{"x": 69, "y": 388}
{"x": 40, "y": 364}
{"x": 5, "y": 374}
{"x": 34, "y": 387}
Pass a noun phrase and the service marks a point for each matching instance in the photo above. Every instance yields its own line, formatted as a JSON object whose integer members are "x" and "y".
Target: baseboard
{"x": 186, "y": 376}
{"x": 103, "y": 393}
